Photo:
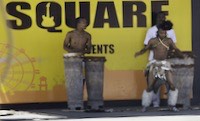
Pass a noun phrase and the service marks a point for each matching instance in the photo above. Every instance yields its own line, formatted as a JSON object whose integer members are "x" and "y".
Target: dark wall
{"x": 196, "y": 49}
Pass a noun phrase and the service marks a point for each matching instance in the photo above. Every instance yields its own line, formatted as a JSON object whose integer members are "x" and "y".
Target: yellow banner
{"x": 32, "y": 35}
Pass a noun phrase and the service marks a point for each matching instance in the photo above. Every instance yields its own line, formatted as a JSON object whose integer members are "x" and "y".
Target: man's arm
{"x": 67, "y": 42}
{"x": 88, "y": 44}
{"x": 142, "y": 51}
{"x": 177, "y": 51}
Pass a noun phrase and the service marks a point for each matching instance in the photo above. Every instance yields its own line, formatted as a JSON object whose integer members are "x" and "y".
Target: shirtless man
{"x": 78, "y": 40}
{"x": 160, "y": 47}
{"x": 152, "y": 33}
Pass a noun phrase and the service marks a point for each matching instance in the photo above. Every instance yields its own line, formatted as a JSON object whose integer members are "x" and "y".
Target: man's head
{"x": 161, "y": 33}
{"x": 163, "y": 27}
{"x": 161, "y": 16}
{"x": 166, "y": 25}
{"x": 81, "y": 23}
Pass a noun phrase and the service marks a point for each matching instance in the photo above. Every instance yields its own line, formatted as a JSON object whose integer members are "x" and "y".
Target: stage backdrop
{"x": 33, "y": 31}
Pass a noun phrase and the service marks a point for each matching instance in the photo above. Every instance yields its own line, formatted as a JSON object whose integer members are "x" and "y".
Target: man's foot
{"x": 156, "y": 106}
{"x": 174, "y": 109}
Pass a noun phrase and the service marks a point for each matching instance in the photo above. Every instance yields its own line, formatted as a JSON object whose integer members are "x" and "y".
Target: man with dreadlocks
{"x": 160, "y": 46}
{"x": 152, "y": 33}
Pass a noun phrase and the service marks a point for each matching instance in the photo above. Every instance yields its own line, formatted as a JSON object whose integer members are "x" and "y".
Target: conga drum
{"x": 94, "y": 76}
{"x": 73, "y": 63}
{"x": 183, "y": 74}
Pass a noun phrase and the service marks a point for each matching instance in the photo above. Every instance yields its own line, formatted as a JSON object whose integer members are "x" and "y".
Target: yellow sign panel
{"x": 38, "y": 28}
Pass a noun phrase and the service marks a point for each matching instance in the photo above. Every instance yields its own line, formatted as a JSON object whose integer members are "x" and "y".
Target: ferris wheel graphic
{"x": 21, "y": 73}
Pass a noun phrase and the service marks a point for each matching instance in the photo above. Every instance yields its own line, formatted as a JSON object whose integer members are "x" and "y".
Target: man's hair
{"x": 166, "y": 25}
{"x": 78, "y": 20}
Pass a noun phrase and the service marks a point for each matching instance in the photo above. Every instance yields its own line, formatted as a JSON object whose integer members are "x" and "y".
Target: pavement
{"x": 111, "y": 113}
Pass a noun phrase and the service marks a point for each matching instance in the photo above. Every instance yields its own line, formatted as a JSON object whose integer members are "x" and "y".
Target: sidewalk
{"x": 115, "y": 113}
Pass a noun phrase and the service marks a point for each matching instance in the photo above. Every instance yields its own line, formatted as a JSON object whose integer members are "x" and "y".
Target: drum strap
{"x": 163, "y": 44}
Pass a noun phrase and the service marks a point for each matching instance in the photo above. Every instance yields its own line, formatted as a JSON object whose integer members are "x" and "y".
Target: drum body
{"x": 74, "y": 80}
{"x": 183, "y": 75}
{"x": 94, "y": 76}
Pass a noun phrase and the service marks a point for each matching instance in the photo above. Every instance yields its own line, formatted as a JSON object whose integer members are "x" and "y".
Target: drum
{"x": 73, "y": 63}
{"x": 94, "y": 76}
{"x": 183, "y": 74}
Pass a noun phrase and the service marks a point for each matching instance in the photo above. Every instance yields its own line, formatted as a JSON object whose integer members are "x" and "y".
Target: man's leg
{"x": 148, "y": 93}
{"x": 151, "y": 81}
{"x": 156, "y": 99}
{"x": 173, "y": 92}
{"x": 170, "y": 80}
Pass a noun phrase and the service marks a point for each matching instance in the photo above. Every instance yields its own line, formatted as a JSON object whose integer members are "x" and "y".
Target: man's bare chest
{"x": 161, "y": 44}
